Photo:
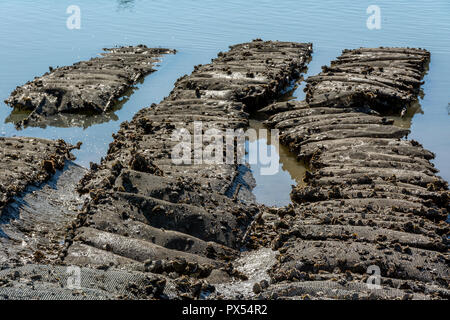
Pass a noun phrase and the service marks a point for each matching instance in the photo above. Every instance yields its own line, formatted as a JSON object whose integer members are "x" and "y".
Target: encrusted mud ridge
{"x": 386, "y": 79}
{"x": 30, "y": 168}
{"x": 182, "y": 224}
{"x": 26, "y": 161}
{"x": 33, "y": 226}
{"x": 154, "y": 229}
{"x": 91, "y": 87}
{"x": 372, "y": 199}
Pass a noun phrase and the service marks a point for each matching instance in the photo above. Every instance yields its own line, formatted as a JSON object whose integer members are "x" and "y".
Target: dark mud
{"x": 386, "y": 79}
{"x": 32, "y": 227}
{"x": 371, "y": 198}
{"x": 88, "y": 87}
{"x": 159, "y": 230}
{"x": 27, "y": 161}
{"x": 189, "y": 221}
{"x": 34, "y": 209}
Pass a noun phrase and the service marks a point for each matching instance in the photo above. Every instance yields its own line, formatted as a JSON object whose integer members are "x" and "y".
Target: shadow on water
{"x": 244, "y": 181}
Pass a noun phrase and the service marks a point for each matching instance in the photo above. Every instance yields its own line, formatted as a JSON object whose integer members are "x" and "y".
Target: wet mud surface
{"x": 149, "y": 228}
{"x": 193, "y": 200}
{"x": 88, "y": 87}
{"x": 33, "y": 226}
{"x": 27, "y": 161}
{"x": 183, "y": 223}
{"x": 371, "y": 198}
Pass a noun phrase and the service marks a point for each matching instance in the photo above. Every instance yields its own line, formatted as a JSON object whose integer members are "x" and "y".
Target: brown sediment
{"x": 371, "y": 199}
{"x": 159, "y": 230}
{"x": 27, "y": 161}
{"x": 92, "y": 86}
{"x": 27, "y": 229}
{"x": 381, "y": 78}
{"x": 33, "y": 225}
{"x": 146, "y": 211}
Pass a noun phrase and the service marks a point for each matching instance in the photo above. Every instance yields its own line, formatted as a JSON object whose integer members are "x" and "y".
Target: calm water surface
{"x": 33, "y": 36}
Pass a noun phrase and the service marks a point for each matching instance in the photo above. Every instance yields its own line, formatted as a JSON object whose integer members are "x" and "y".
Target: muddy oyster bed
{"x": 146, "y": 208}
{"x": 89, "y": 87}
{"x": 27, "y": 161}
{"x": 183, "y": 223}
{"x": 27, "y": 228}
{"x": 153, "y": 229}
{"x": 382, "y": 78}
{"x": 371, "y": 199}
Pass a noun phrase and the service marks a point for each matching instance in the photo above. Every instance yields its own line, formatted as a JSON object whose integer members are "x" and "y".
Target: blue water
{"x": 34, "y": 36}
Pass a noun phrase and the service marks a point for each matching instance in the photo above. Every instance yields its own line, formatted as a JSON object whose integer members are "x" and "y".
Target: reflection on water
{"x": 288, "y": 160}
{"x": 405, "y": 121}
{"x": 69, "y": 120}
{"x": 275, "y": 189}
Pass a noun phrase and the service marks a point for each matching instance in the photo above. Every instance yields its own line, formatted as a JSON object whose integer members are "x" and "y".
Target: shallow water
{"x": 34, "y": 36}
{"x": 274, "y": 190}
